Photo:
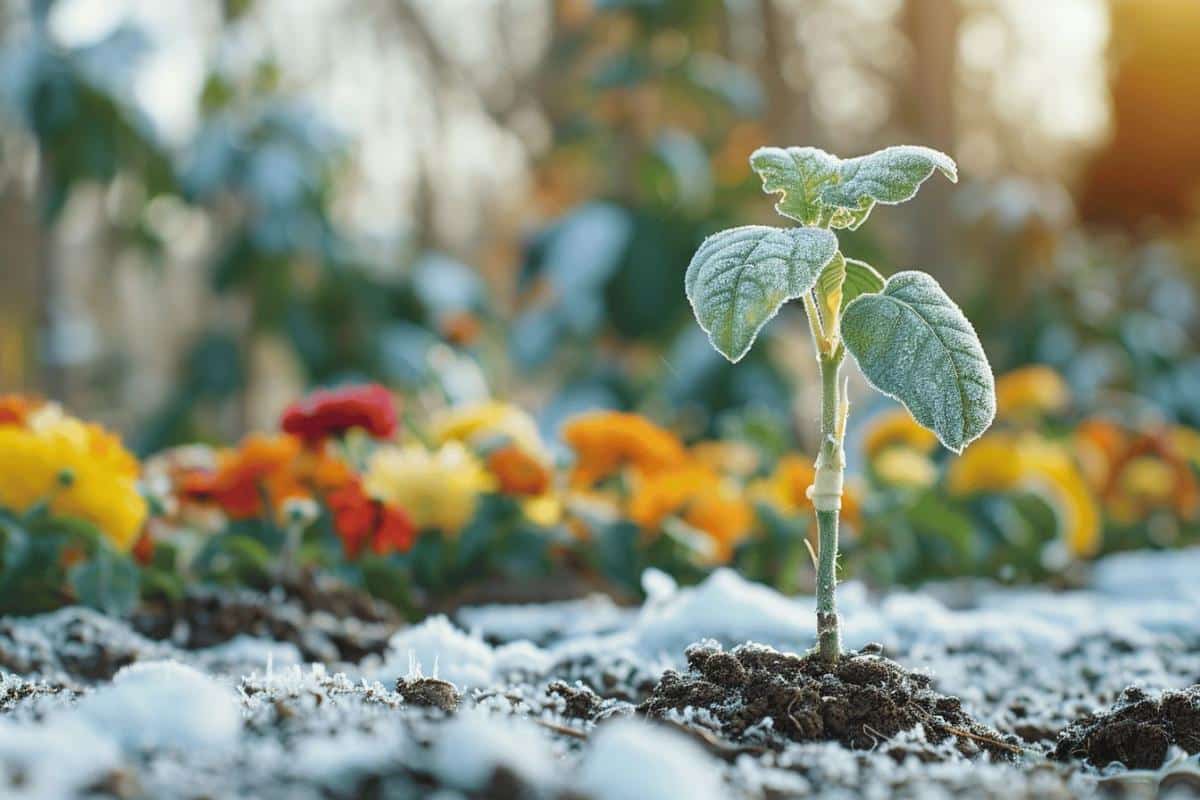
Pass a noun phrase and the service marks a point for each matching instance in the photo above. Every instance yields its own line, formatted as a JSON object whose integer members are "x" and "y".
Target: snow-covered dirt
{"x": 544, "y": 699}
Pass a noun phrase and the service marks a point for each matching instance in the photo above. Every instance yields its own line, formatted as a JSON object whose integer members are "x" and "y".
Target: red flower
{"x": 332, "y": 412}
{"x": 361, "y": 520}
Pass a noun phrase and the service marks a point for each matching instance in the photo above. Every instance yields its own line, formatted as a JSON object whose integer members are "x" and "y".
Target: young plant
{"x": 909, "y": 338}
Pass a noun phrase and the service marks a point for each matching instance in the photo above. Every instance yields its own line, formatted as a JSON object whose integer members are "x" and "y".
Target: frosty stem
{"x": 826, "y": 491}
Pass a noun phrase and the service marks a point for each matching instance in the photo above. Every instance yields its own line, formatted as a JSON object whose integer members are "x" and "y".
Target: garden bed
{"x": 974, "y": 691}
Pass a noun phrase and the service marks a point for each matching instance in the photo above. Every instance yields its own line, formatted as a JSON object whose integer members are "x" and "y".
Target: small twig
{"x": 563, "y": 729}
{"x": 948, "y": 728}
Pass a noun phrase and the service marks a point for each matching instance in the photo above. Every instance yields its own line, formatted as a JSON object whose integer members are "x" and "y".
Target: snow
{"x": 244, "y": 653}
{"x": 472, "y": 746}
{"x": 724, "y": 606}
{"x": 436, "y": 648}
{"x": 628, "y": 760}
{"x": 164, "y": 704}
{"x": 299, "y": 731}
{"x": 57, "y": 758}
{"x": 538, "y": 622}
{"x": 1150, "y": 575}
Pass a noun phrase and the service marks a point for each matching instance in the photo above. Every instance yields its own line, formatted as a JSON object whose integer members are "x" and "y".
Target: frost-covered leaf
{"x": 797, "y": 173}
{"x": 739, "y": 278}
{"x": 861, "y": 278}
{"x": 891, "y": 175}
{"x": 820, "y": 189}
{"x": 914, "y": 344}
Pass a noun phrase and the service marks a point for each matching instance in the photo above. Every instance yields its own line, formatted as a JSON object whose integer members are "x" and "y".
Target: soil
{"x": 1137, "y": 732}
{"x": 327, "y": 621}
{"x": 429, "y": 693}
{"x": 1009, "y": 693}
{"x": 861, "y": 701}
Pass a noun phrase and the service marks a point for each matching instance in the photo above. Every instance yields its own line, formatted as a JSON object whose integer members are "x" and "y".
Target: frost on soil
{"x": 546, "y": 699}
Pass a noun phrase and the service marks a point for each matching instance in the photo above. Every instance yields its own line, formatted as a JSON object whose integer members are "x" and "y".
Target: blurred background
{"x": 207, "y": 207}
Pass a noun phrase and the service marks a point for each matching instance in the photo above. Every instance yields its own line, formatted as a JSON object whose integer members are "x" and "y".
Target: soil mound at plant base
{"x": 862, "y": 701}
{"x": 1137, "y": 730}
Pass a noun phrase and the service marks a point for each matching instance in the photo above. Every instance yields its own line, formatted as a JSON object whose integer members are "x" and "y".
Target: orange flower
{"x": 461, "y": 329}
{"x": 607, "y": 441}
{"x": 726, "y": 517}
{"x": 701, "y": 498}
{"x": 662, "y": 494}
{"x": 16, "y": 408}
{"x": 1137, "y": 473}
{"x": 361, "y": 520}
{"x": 517, "y": 472}
{"x": 262, "y": 466}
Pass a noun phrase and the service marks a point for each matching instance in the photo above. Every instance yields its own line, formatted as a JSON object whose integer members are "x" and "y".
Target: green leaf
{"x": 798, "y": 174}
{"x": 821, "y": 189}
{"x": 861, "y": 278}
{"x": 739, "y": 278}
{"x": 107, "y": 582}
{"x": 914, "y": 344}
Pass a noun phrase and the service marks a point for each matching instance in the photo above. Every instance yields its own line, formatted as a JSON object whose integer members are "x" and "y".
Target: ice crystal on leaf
{"x": 739, "y": 278}
{"x": 821, "y": 189}
{"x": 914, "y": 344}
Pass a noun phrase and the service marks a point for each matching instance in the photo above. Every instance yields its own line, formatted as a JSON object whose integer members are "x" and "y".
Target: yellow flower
{"x": 1031, "y": 392}
{"x": 82, "y": 469}
{"x": 438, "y": 488}
{"x": 990, "y": 464}
{"x": 896, "y": 428}
{"x": 474, "y": 425}
{"x": 1052, "y": 471}
{"x": 545, "y": 510}
{"x": 607, "y": 441}
{"x": 905, "y": 467}
{"x": 1186, "y": 441}
{"x": 1000, "y": 462}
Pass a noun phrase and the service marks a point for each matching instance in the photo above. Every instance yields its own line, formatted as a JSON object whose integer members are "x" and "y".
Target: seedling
{"x": 909, "y": 338}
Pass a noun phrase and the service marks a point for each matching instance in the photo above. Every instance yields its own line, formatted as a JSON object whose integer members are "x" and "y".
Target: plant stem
{"x": 826, "y": 495}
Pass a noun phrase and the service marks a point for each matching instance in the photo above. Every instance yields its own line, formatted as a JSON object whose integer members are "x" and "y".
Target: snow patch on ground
{"x": 436, "y": 648}
{"x": 724, "y": 606}
{"x": 628, "y": 760}
{"x": 164, "y": 704}
{"x": 472, "y": 746}
{"x": 57, "y": 758}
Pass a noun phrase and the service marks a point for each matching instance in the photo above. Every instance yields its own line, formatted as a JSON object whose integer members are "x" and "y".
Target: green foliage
{"x": 821, "y": 189}
{"x": 47, "y": 560}
{"x": 861, "y": 278}
{"x": 914, "y": 344}
{"x": 910, "y": 340}
{"x": 739, "y": 278}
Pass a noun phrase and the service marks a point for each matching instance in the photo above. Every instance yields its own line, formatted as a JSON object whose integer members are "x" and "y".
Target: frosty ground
{"x": 542, "y": 701}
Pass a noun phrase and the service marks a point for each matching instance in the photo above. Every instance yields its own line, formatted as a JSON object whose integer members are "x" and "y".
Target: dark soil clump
{"x": 1136, "y": 731}
{"x": 429, "y": 693}
{"x": 580, "y": 702}
{"x": 861, "y": 702}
